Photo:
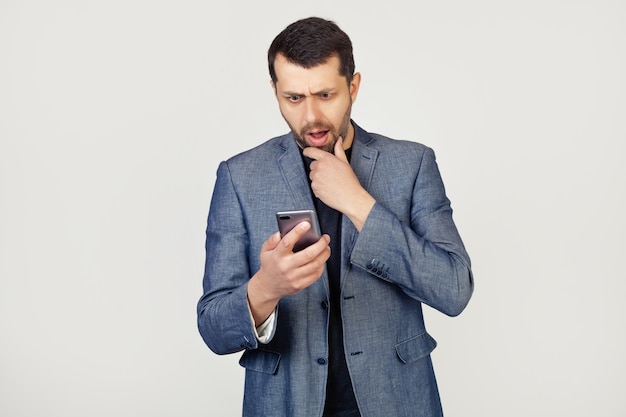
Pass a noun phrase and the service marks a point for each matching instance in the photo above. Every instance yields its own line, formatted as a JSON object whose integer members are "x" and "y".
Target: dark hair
{"x": 310, "y": 42}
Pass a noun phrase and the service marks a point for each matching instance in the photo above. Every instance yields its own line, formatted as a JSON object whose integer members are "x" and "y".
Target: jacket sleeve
{"x": 425, "y": 258}
{"x": 224, "y": 319}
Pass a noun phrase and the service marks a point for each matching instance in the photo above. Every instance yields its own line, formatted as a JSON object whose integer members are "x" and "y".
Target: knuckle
{"x": 308, "y": 253}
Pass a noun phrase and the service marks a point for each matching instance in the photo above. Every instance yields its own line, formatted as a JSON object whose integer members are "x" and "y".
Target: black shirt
{"x": 339, "y": 391}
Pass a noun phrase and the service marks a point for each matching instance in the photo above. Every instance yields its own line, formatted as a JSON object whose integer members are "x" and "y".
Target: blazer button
{"x": 321, "y": 361}
{"x": 324, "y": 304}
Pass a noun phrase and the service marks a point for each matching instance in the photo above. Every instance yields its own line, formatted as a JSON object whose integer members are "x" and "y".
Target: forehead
{"x": 294, "y": 78}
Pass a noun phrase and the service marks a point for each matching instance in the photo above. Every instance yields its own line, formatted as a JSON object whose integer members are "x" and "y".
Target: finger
{"x": 339, "y": 151}
{"x": 314, "y": 153}
{"x": 308, "y": 264}
{"x": 290, "y": 238}
{"x": 314, "y": 251}
{"x": 271, "y": 242}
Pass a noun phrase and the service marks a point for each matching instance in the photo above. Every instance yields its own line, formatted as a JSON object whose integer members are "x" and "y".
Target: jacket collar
{"x": 364, "y": 155}
{"x": 293, "y": 173}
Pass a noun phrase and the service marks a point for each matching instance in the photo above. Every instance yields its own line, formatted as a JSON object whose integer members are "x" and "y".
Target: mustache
{"x": 316, "y": 127}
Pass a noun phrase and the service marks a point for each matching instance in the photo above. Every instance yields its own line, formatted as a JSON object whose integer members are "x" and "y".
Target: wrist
{"x": 261, "y": 303}
{"x": 360, "y": 211}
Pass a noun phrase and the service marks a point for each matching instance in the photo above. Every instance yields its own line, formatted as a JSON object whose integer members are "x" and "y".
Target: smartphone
{"x": 287, "y": 220}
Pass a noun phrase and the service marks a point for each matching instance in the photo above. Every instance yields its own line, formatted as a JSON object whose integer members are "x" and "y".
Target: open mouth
{"x": 318, "y": 138}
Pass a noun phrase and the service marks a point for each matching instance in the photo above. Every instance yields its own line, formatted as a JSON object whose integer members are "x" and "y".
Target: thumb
{"x": 339, "y": 152}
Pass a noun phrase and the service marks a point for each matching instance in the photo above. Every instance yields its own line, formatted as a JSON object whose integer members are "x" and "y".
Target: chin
{"x": 328, "y": 146}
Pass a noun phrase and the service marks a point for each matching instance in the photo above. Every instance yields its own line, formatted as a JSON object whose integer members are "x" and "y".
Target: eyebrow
{"x": 315, "y": 93}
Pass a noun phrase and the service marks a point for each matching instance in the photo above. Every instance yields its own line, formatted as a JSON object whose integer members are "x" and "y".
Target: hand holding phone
{"x": 287, "y": 220}
{"x": 283, "y": 273}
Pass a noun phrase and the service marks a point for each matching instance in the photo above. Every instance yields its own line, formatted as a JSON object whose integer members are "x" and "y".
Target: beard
{"x": 333, "y": 132}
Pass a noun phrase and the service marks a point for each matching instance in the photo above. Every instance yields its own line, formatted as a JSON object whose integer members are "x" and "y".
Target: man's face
{"x": 316, "y": 102}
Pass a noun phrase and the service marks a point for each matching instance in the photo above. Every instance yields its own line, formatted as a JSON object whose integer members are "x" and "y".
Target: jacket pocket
{"x": 415, "y": 348}
{"x": 258, "y": 360}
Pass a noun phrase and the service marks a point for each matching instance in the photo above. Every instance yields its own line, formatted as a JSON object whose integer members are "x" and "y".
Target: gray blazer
{"x": 408, "y": 253}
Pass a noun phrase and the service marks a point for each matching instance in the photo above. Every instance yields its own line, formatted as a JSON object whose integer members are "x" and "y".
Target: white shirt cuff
{"x": 265, "y": 332}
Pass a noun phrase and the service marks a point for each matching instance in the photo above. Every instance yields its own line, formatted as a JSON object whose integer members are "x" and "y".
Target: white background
{"x": 115, "y": 114}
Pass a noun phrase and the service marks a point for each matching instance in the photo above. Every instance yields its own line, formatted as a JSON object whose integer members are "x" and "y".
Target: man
{"x": 335, "y": 329}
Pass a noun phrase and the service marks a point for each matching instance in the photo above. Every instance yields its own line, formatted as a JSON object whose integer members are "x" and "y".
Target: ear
{"x": 354, "y": 85}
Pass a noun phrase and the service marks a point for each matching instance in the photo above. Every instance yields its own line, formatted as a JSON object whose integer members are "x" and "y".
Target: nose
{"x": 311, "y": 110}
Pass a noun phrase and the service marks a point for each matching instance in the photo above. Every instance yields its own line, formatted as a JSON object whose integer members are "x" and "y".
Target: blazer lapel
{"x": 363, "y": 157}
{"x": 294, "y": 175}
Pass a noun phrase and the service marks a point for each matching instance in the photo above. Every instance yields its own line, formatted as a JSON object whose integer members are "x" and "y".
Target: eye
{"x": 294, "y": 99}
{"x": 325, "y": 95}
